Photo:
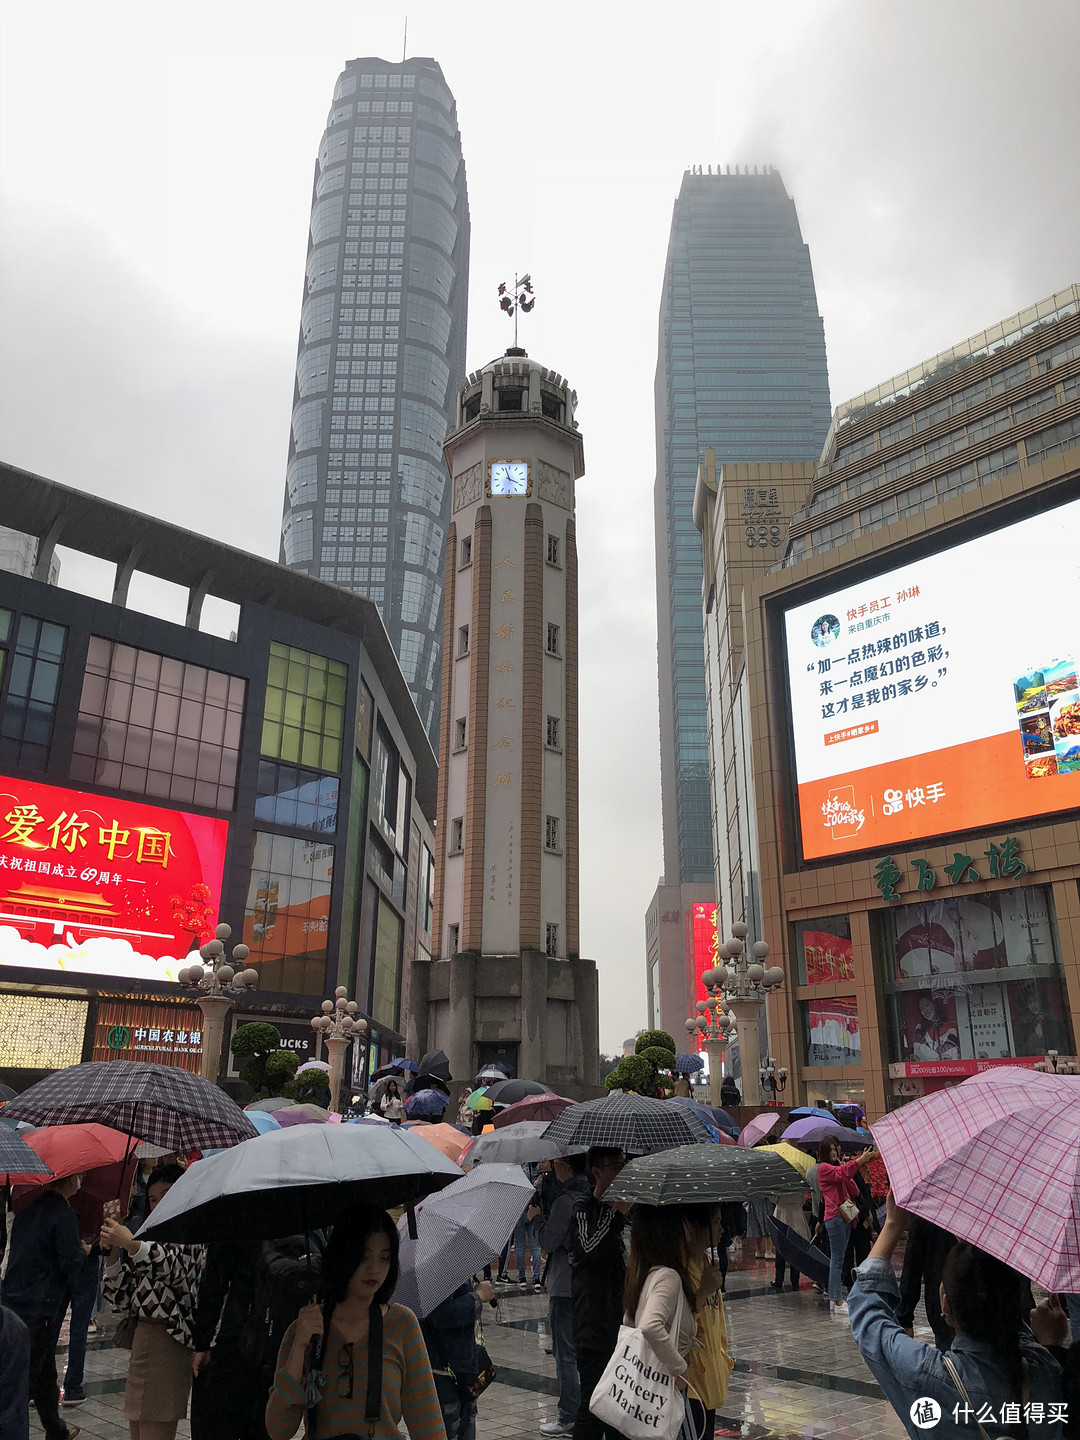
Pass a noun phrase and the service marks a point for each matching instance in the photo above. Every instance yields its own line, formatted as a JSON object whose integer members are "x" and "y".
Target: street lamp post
{"x": 339, "y": 1025}
{"x": 221, "y": 984}
{"x": 717, "y": 1029}
{"x": 773, "y": 1078}
{"x": 744, "y": 986}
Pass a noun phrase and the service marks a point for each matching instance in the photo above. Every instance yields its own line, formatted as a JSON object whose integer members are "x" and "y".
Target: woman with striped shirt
{"x": 323, "y": 1364}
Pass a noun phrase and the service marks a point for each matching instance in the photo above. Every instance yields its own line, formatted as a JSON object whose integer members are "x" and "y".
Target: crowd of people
{"x": 234, "y": 1329}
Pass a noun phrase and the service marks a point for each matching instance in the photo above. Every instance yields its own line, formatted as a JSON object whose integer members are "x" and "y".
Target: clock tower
{"x": 507, "y": 980}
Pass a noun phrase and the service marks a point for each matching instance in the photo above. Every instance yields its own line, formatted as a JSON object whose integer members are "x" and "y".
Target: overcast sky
{"x": 155, "y": 176}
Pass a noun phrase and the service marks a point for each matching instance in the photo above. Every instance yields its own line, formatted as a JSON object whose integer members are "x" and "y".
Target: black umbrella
{"x": 6, "y": 1092}
{"x": 704, "y": 1175}
{"x": 435, "y": 1063}
{"x": 299, "y": 1179}
{"x": 804, "y": 1255}
{"x": 17, "y": 1157}
{"x": 160, "y": 1103}
{"x": 633, "y": 1123}
{"x": 509, "y": 1092}
{"x": 271, "y": 1104}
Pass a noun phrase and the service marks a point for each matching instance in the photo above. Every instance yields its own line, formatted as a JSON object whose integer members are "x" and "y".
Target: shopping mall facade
{"x": 893, "y": 651}
{"x": 157, "y": 779}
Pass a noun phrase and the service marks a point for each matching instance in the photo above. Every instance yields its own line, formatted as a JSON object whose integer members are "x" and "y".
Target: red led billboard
{"x": 704, "y": 943}
{"x": 104, "y": 887}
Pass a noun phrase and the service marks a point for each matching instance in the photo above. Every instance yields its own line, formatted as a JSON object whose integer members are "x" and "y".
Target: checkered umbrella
{"x": 633, "y": 1123}
{"x": 159, "y": 1103}
{"x": 17, "y": 1158}
{"x": 996, "y": 1161}
{"x": 704, "y": 1175}
{"x": 459, "y": 1230}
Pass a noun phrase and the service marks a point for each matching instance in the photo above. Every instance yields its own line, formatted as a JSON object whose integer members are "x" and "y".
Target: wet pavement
{"x": 797, "y": 1370}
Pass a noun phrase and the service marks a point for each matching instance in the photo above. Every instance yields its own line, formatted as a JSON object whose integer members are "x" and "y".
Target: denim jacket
{"x": 908, "y": 1370}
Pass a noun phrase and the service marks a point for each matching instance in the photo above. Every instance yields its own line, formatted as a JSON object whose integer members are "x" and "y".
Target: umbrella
{"x": 995, "y": 1161}
{"x": 271, "y": 1106}
{"x": 160, "y": 1103}
{"x": 497, "y": 1071}
{"x": 509, "y": 1092}
{"x": 458, "y": 1231}
{"x": 478, "y": 1100}
{"x": 6, "y": 1092}
{"x": 17, "y": 1158}
{"x": 263, "y": 1122}
{"x": 404, "y": 1063}
{"x": 393, "y": 1071}
{"x": 633, "y": 1123}
{"x": 520, "y": 1144}
{"x": 708, "y": 1114}
{"x": 435, "y": 1063}
{"x": 757, "y": 1128}
{"x": 71, "y": 1149}
{"x": 296, "y": 1116}
{"x": 812, "y": 1129}
{"x": 447, "y": 1139}
{"x": 297, "y": 1180}
{"x": 802, "y": 1162}
{"x": 688, "y": 1064}
{"x": 425, "y": 1102}
{"x": 704, "y": 1175}
{"x": 533, "y": 1107}
{"x": 315, "y": 1065}
{"x": 804, "y": 1255}
{"x": 804, "y": 1110}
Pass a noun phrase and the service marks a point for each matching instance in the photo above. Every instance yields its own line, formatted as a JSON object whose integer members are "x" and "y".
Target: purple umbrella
{"x": 812, "y": 1130}
{"x": 426, "y": 1102}
{"x": 757, "y": 1128}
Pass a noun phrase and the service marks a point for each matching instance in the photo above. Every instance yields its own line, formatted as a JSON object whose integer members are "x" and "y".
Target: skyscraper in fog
{"x": 742, "y": 369}
{"x": 382, "y": 354}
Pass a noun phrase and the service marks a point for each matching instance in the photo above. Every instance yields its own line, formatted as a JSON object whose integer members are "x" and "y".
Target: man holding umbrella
{"x": 597, "y": 1272}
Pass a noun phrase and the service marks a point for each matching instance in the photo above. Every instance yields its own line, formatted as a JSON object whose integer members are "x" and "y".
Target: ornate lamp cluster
{"x": 339, "y": 1019}
{"x": 773, "y": 1077}
{"x": 735, "y": 977}
{"x": 219, "y": 977}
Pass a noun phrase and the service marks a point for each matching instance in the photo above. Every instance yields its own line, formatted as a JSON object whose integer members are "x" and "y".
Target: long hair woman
{"x": 994, "y": 1357}
{"x": 330, "y": 1350}
{"x": 837, "y": 1182}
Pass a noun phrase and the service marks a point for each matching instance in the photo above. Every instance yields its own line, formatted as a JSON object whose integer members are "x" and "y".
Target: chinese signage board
{"x": 919, "y": 709}
{"x": 40, "y": 1033}
{"x": 958, "y": 1069}
{"x": 296, "y": 1035}
{"x": 98, "y": 886}
{"x": 162, "y": 1034}
{"x": 704, "y": 947}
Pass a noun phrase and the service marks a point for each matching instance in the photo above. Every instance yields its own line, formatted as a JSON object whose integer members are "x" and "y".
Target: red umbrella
{"x": 533, "y": 1107}
{"x": 69, "y": 1149}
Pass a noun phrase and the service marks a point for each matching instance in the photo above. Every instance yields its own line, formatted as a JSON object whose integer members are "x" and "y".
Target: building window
{"x": 34, "y": 662}
{"x": 554, "y": 639}
{"x": 510, "y": 399}
{"x": 466, "y": 551}
{"x": 459, "y": 733}
{"x": 831, "y": 1031}
{"x": 457, "y": 836}
{"x": 427, "y": 889}
{"x": 158, "y": 726}
{"x": 451, "y": 940}
{"x": 386, "y": 970}
{"x": 554, "y": 732}
{"x": 552, "y": 941}
{"x": 551, "y": 406}
{"x": 304, "y": 715}
{"x": 463, "y": 641}
{"x": 553, "y": 550}
{"x": 551, "y": 833}
{"x": 288, "y": 912}
{"x": 299, "y": 799}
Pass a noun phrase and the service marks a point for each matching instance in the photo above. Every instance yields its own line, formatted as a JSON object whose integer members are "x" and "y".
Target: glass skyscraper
{"x": 742, "y": 369}
{"x": 382, "y": 354}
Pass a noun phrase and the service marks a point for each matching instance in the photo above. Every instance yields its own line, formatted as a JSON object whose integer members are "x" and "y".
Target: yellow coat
{"x": 710, "y": 1364}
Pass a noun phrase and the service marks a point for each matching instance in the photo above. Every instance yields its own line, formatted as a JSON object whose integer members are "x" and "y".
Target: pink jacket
{"x": 837, "y": 1184}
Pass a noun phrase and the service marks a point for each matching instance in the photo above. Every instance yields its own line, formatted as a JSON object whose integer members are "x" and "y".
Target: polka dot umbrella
{"x": 704, "y": 1175}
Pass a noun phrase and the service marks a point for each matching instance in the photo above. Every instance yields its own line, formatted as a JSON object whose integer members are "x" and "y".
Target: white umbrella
{"x": 522, "y": 1143}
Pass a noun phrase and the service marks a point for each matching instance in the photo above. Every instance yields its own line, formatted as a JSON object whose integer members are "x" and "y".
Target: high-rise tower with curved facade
{"x": 381, "y": 355}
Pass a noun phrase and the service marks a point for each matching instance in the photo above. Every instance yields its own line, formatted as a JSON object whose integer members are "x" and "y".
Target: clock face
{"x": 508, "y": 477}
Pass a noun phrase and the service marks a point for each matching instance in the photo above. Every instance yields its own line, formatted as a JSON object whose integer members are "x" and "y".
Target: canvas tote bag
{"x": 637, "y": 1394}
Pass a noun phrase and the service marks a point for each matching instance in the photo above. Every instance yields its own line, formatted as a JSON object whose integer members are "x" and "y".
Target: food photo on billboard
{"x": 922, "y": 710}
{"x": 100, "y": 886}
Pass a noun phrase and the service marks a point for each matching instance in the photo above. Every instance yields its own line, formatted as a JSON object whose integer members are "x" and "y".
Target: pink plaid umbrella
{"x": 996, "y": 1161}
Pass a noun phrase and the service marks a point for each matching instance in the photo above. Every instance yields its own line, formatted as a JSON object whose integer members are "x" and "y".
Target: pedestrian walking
{"x": 789, "y": 1211}
{"x": 450, "y": 1335}
{"x": 154, "y": 1286}
{"x": 924, "y": 1262}
{"x": 554, "y": 1235}
{"x": 46, "y": 1258}
{"x": 357, "y": 1351}
{"x": 710, "y": 1361}
{"x": 993, "y": 1361}
{"x": 14, "y": 1376}
{"x": 84, "y": 1297}
{"x": 597, "y": 1276}
{"x": 525, "y": 1236}
{"x": 839, "y": 1193}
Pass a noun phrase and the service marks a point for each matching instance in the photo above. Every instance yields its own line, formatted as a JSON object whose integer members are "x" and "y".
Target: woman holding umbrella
{"x": 838, "y": 1189}
{"x": 357, "y": 1363}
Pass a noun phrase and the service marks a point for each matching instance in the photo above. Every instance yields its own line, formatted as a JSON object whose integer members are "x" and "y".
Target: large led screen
{"x": 703, "y": 927}
{"x": 942, "y": 695}
{"x": 104, "y": 887}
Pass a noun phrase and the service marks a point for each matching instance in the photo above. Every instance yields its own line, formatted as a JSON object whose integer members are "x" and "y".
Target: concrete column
{"x": 46, "y": 550}
{"x": 196, "y": 595}
{"x": 715, "y": 1051}
{"x": 416, "y": 1024}
{"x": 587, "y": 1008}
{"x": 532, "y": 1060}
{"x": 214, "y": 1009}
{"x": 338, "y": 1047}
{"x": 462, "y": 1015}
{"x": 124, "y": 571}
{"x": 747, "y": 1020}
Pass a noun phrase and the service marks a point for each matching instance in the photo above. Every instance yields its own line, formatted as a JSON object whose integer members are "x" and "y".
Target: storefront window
{"x": 976, "y": 977}
{"x": 387, "y": 977}
{"x": 823, "y": 948}
{"x": 831, "y": 1031}
{"x": 288, "y": 912}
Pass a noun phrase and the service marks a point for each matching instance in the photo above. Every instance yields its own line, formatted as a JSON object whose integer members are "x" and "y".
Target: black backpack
{"x": 286, "y": 1278}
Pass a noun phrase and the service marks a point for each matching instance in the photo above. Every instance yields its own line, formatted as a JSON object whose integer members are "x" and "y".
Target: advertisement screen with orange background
{"x": 940, "y": 697}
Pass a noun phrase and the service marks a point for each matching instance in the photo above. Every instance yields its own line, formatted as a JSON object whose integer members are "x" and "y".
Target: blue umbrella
{"x": 710, "y": 1115}
{"x": 806, "y": 1110}
{"x": 688, "y": 1064}
{"x": 263, "y": 1121}
{"x": 807, "y": 1258}
{"x": 426, "y": 1102}
{"x": 401, "y": 1063}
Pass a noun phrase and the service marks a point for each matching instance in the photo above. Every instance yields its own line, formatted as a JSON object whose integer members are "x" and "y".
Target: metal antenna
{"x": 521, "y": 297}
{"x": 405, "y": 39}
